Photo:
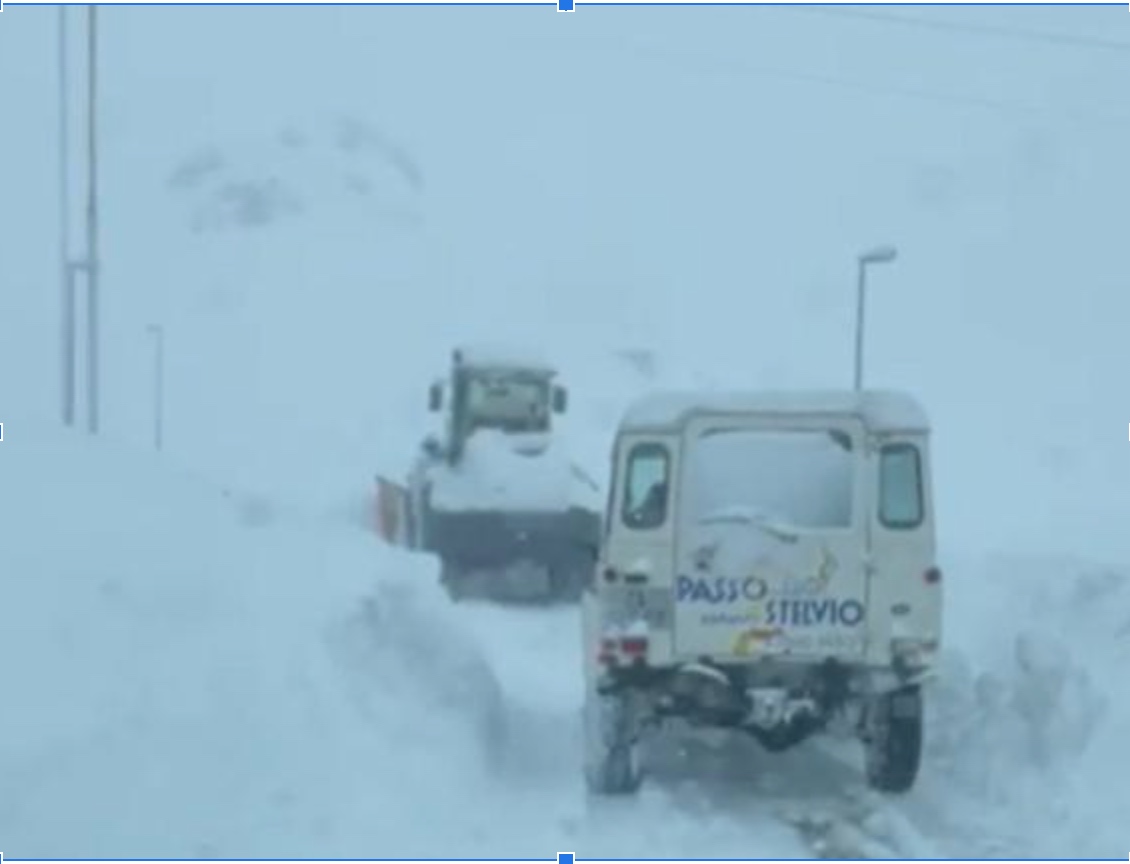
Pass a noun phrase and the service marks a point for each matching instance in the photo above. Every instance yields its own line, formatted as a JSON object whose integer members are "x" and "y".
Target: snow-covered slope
{"x": 191, "y": 676}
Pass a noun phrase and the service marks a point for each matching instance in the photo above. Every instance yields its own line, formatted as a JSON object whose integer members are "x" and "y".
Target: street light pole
{"x": 158, "y": 334}
{"x": 94, "y": 264}
{"x": 879, "y": 255}
{"x": 67, "y": 295}
{"x": 860, "y": 300}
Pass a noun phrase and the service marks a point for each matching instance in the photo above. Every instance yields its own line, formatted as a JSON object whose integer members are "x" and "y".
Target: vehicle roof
{"x": 492, "y": 356}
{"x": 880, "y": 410}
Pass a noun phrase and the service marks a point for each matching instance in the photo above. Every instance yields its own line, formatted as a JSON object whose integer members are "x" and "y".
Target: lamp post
{"x": 93, "y": 262}
{"x": 878, "y": 255}
{"x": 158, "y": 334}
{"x": 66, "y": 274}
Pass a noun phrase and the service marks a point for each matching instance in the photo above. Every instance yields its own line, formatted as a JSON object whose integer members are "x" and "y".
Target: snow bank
{"x": 1030, "y": 723}
{"x": 191, "y": 683}
{"x": 514, "y": 472}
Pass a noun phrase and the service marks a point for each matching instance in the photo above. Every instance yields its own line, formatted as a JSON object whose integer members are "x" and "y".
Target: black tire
{"x": 617, "y": 774}
{"x": 612, "y": 760}
{"x": 893, "y": 740}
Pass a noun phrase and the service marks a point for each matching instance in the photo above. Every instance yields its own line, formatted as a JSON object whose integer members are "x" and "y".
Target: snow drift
{"x": 1031, "y": 715}
{"x": 189, "y": 684}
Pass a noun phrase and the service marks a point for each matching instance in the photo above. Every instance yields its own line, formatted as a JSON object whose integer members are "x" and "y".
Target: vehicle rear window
{"x": 900, "y": 487}
{"x": 646, "y": 487}
{"x": 802, "y": 478}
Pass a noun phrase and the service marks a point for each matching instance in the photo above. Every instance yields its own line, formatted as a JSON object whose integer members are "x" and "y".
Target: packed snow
{"x": 880, "y": 410}
{"x": 488, "y": 355}
{"x": 516, "y": 473}
{"x": 208, "y": 654}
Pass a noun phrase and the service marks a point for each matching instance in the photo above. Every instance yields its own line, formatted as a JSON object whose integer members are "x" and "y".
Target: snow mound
{"x": 1030, "y": 718}
{"x": 189, "y": 685}
{"x": 501, "y": 471}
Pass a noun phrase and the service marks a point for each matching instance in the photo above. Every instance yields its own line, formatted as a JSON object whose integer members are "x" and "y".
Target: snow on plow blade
{"x": 391, "y": 513}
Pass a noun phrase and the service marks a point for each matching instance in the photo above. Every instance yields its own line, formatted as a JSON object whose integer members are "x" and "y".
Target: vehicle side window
{"x": 646, "y": 487}
{"x": 900, "y": 487}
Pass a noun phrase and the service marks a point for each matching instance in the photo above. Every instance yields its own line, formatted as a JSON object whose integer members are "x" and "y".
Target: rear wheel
{"x": 893, "y": 740}
{"x": 612, "y": 748}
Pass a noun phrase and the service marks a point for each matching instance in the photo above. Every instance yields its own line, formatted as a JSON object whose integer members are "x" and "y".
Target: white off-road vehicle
{"x": 767, "y": 565}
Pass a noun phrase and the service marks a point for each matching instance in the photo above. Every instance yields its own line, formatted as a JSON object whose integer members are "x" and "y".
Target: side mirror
{"x": 435, "y": 397}
{"x": 560, "y": 400}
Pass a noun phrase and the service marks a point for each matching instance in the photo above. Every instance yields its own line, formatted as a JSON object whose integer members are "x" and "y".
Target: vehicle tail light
{"x": 634, "y": 646}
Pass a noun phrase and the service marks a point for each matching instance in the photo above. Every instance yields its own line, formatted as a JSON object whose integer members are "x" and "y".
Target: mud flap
{"x": 391, "y": 513}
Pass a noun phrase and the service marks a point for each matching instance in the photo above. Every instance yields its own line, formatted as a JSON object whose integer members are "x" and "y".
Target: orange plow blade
{"x": 391, "y": 513}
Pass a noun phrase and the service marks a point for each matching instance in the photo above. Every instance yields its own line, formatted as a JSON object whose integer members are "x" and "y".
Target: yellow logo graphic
{"x": 759, "y": 637}
{"x": 755, "y": 637}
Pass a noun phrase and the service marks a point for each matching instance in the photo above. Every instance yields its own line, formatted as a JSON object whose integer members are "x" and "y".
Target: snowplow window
{"x": 645, "y": 492}
{"x": 508, "y": 402}
{"x": 900, "y": 487}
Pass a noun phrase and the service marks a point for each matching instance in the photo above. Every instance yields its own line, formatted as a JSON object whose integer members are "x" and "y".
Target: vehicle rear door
{"x": 771, "y": 548}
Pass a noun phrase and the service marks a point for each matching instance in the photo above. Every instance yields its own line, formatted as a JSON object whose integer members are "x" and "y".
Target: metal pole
{"x": 94, "y": 264}
{"x": 66, "y": 275}
{"x": 158, "y": 333}
{"x": 860, "y": 296}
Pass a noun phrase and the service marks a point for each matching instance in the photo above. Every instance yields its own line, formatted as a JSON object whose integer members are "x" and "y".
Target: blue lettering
{"x": 719, "y": 590}
{"x": 813, "y": 613}
{"x": 684, "y": 588}
{"x": 851, "y": 613}
{"x": 791, "y": 612}
{"x": 754, "y": 589}
{"x": 823, "y": 610}
{"x": 702, "y": 591}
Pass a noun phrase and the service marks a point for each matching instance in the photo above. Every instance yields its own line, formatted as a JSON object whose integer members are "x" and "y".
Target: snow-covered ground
{"x": 208, "y": 653}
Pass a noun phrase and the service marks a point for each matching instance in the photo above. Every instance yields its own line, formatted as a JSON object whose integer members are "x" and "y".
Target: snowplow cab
{"x": 491, "y": 389}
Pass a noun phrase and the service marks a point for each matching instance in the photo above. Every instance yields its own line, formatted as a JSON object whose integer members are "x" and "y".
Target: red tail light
{"x": 633, "y": 646}
{"x": 932, "y": 576}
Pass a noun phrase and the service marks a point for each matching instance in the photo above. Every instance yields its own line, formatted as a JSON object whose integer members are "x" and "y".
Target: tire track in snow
{"x": 722, "y": 797}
